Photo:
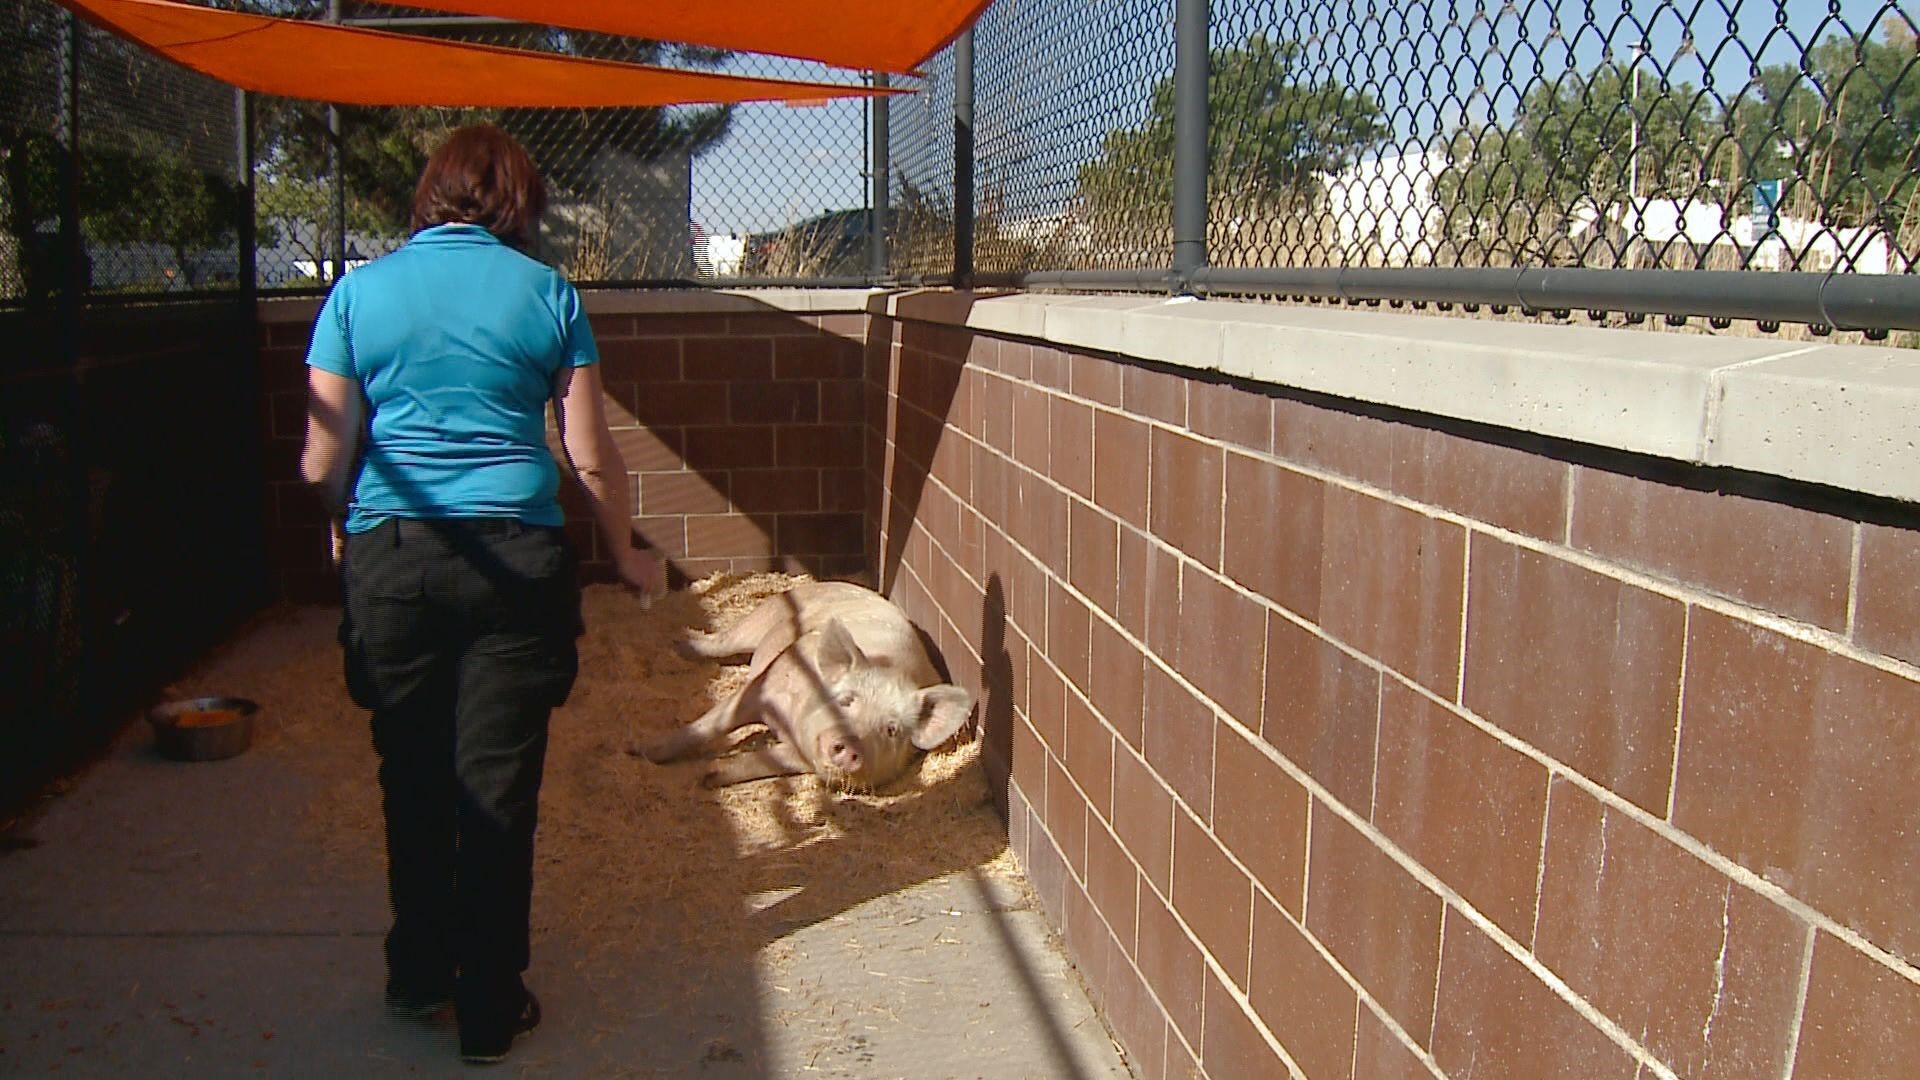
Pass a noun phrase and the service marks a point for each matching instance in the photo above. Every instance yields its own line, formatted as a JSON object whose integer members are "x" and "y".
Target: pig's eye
{"x": 845, "y": 700}
{"x": 893, "y": 729}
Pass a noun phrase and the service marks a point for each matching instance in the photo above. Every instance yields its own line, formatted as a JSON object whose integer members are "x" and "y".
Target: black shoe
{"x": 486, "y": 1042}
{"x": 415, "y": 1003}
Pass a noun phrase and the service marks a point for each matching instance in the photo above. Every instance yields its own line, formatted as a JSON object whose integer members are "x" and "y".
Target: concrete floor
{"x": 166, "y": 919}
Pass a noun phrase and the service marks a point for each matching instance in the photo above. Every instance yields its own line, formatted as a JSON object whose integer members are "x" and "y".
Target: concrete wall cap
{"x": 284, "y": 309}
{"x": 287, "y": 309}
{"x": 1093, "y": 322}
{"x": 724, "y": 301}
{"x": 1838, "y": 415}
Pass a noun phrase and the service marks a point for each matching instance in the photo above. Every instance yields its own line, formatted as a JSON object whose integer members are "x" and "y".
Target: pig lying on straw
{"x": 840, "y": 678}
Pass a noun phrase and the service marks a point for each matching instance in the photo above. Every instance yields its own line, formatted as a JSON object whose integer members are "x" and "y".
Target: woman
{"x": 429, "y": 375}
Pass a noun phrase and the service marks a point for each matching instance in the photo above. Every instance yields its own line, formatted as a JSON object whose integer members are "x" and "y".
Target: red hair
{"x": 481, "y": 176}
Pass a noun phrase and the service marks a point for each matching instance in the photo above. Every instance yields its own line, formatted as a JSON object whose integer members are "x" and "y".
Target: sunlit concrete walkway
{"x": 165, "y": 919}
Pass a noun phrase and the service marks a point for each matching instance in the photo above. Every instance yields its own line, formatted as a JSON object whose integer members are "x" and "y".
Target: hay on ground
{"x": 630, "y": 853}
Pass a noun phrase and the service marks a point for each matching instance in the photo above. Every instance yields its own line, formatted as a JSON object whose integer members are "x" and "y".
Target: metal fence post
{"x": 73, "y": 278}
{"x": 336, "y": 165}
{"x": 877, "y": 261}
{"x": 1190, "y": 70}
{"x": 963, "y": 160}
{"x": 246, "y": 236}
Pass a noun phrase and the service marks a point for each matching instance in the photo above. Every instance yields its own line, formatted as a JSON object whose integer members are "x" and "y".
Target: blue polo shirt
{"x": 455, "y": 340}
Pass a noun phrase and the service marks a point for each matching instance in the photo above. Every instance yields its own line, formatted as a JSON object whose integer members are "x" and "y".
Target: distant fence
{"x": 1755, "y": 159}
{"x": 117, "y": 170}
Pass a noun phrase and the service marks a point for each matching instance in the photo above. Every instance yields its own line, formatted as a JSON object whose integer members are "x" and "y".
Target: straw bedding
{"x": 630, "y": 854}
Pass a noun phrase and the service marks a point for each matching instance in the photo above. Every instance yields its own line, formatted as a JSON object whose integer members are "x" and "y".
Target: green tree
{"x": 136, "y": 184}
{"x": 1844, "y": 129}
{"x": 297, "y": 211}
{"x": 152, "y": 194}
{"x": 1592, "y": 139}
{"x": 1274, "y": 129}
{"x": 1601, "y": 135}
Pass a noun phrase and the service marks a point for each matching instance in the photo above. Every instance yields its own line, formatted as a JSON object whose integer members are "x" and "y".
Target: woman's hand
{"x": 643, "y": 570}
{"x": 337, "y": 535}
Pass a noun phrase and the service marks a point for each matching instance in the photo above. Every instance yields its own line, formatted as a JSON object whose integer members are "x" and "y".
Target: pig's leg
{"x": 767, "y": 630}
{"x": 776, "y": 760}
{"x": 717, "y": 721}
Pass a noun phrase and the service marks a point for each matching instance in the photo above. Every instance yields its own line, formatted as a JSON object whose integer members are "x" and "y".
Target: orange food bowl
{"x": 203, "y": 729}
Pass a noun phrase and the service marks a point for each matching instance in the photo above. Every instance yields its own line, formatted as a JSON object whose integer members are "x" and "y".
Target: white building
{"x": 1384, "y": 211}
{"x": 718, "y": 254}
{"x": 1796, "y": 243}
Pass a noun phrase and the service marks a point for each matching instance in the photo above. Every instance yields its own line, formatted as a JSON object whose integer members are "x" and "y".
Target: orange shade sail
{"x": 353, "y": 66}
{"x": 881, "y": 35}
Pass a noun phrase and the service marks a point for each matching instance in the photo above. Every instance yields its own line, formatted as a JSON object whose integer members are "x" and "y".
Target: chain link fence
{"x": 683, "y": 194}
{"x": 138, "y": 151}
{"x": 1432, "y": 135}
{"x": 1610, "y": 134}
{"x": 697, "y": 193}
{"x": 30, "y": 178}
{"x": 1075, "y": 135}
{"x": 160, "y": 195}
{"x": 1755, "y": 134}
{"x": 920, "y": 150}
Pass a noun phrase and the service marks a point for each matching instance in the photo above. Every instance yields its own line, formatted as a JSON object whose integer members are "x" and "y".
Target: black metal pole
{"x": 73, "y": 277}
{"x": 882, "y": 182}
{"x": 1190, "y": 71}
{"x": 336, "y": 168}
{"x": 245, "y": 234}
{"x": 66, "y": 483}
{"x": 963, "y": 160}
{"x": 1842, "y": 301}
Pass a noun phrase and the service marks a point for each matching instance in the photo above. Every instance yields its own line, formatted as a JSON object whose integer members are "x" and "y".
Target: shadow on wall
{"x": 921, "y": 382}
{"x": 996, "y": 695}
{"x": 742, "y": 427}
{"x": 741, "y": 423}
{"x": 758, "y": 438}
{"x": 129, "y": 519}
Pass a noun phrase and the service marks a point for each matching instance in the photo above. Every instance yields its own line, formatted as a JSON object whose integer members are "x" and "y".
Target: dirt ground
{"x": 224, "y": 918}
{"x": 628, "y": 850}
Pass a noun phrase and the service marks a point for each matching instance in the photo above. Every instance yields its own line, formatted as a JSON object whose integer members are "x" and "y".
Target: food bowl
{"x": 203, "y": 728}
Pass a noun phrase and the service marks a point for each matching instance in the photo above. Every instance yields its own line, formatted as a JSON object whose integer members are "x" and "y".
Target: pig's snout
{"x": 842, "y": 751}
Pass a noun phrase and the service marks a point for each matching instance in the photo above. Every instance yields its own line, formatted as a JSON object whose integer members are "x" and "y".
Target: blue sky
{"x": 780, "y": 164}
{"x": 1056, "y": 75}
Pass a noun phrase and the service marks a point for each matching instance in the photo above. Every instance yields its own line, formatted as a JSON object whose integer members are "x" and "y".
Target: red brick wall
{"x": 1396, "y": 749}
{"x": 742, "y": 435}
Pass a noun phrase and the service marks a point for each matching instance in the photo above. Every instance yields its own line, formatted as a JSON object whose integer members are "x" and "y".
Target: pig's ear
{"x": 838, "y": 652}
{"x": 943, "y": 709}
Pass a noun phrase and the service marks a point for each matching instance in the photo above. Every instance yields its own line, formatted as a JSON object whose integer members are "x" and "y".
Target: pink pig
{"x": 839, "y": 676}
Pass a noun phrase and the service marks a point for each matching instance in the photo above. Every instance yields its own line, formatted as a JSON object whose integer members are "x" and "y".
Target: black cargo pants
{"x": 459, "y": 635}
